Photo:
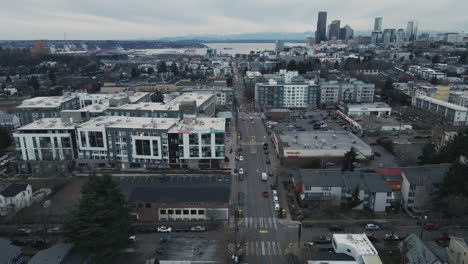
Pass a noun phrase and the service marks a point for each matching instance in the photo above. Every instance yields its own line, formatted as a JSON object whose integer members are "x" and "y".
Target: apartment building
{"x": 353, "y": 91}
{"x": 426, "y": 73}
{"x": 139, "y": 142}
{"x": 453, "y": 114}
{"x": 286, "y": 95}
{"x": 14, "y": 198}
{"x": 338, "y": 187}
{"x": 224, "y": 95}
{"x": 46, "y": 107}
{"x": 47, "y": 143}
{"x": 419, "y": 183}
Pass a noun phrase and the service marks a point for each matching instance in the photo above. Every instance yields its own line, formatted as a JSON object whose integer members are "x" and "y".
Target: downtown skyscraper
{"x": 321, "y": 32}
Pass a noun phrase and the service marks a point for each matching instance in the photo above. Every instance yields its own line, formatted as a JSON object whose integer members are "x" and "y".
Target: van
{"x": 264, "y": 176}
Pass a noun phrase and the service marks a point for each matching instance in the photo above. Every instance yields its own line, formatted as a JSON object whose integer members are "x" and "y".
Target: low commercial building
{"x": 377, "y": 109}
{"x": 300, "y": 148}
{"x": 47, "y": 143}
{"x": 336, "y": 188}
{"x": 14, "y": 198}
{"x": 419, "y": 183}
{"x": 186, "y": 198}
{"x": 356, "y": 246}
{"x": 453, "y": 114}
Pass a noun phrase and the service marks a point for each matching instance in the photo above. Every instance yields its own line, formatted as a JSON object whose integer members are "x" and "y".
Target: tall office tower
{"x": 279, "y": 46}
{"x": 400, "y": 36}
{"x": 346, "y": 33}
{"x": 411, "y": 30}
{"x": 388, "y": 35}
{"x": 334, "y": 29}
{"x": 378, "y": 24}
{"x": 321, "y": 32}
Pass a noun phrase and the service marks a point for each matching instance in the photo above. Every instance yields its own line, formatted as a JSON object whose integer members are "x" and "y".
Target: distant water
{"x": 224, "y": 48}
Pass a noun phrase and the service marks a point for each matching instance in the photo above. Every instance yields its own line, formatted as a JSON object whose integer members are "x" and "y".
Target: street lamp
{"x": 423, "y": 220}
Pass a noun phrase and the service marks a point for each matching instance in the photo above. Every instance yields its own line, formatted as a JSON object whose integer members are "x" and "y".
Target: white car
{"x": 241, "y": 158}
{"x": 275, "y": 199}
{"x": 274, "y": 192}
{"x": 241, "y": 171}
{"x": 277, "y": 207}
{"x": 164, "y": 229}
{"x": 372, "y": 227}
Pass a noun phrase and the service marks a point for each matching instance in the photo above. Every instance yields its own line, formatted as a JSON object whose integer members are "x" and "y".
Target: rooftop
{"x": 130, "y": 122}
{"x": 45, "y": 102}
{"x": 416, "y": 251}
{"x": 199, "y": 98}
{"x": 52, "y": 255}
{"x": 13, "y": 189}
{"x": 8, "y": 250}
{"x": 359, "y": 242}
{"x": 420, "y": 174}
{"x": 48, "y": 124}
{"x": 341, "y": 140}
{"x": 369, "y": 105}
{"x": 150, "y": 107}
{"x": 442, "y": 103}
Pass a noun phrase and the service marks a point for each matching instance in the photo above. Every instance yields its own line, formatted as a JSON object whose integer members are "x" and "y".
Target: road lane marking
{"x": 257, "y": 246}
{"x": 247, "y": 244}
{"x": 268, "y": 248}
{"x": 274, "y": 223}
{"x": 261, "y": 222}
{"x": 263, "y": 249}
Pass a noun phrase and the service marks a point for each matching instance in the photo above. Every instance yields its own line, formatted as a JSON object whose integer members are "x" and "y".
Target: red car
{"x": 342, "y": 124}
{"x": 265, "y": 194}
{"x": 431, "y": 226}
{"x": 373, "y": 143}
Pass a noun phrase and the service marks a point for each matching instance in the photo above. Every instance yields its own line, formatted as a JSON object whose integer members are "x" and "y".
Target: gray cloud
{"x": 118, "y": 19}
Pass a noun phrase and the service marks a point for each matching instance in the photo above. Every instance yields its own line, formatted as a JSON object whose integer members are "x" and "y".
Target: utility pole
{"x": 299, "y": 230}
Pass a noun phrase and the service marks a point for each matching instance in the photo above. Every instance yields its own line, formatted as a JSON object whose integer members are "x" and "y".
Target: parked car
{"x": 330, "y": 163}
{"x": 182, "y": 229}
{"x": 274, "y": 192}
{"x": 372, "y": 237}
{"x": 132, "y": 239}
{"x": 391, "y": 237}
{"x": 335, "y": 228}
{"x": 431, "y": 226}
{"x": 372, "y": 227}
{"x": 373, "y": 143}
{"x": 23, "y": 231}
{"x": 323, "y": 240}
{"x": 241, "y": 171}
{"x": 377, "y": 154}
{"x": 268, "y": 161}
{"x": 241, "y": 158}
{"x": 275, "y": 199}
{"x": 277, "y": 207}
{"x": 164, "y": 229}
{"x": 270, "y": 173}
{"x": 308, "y": 244}
{"x": 198, "y": 228}
{"x": 54, "y": 230}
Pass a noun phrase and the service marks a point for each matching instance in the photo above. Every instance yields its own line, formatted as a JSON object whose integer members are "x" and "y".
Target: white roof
{"x": 199, "y": 124}
{"x": 442, "y": 103}
{"x": 369, "y": 105}
{"x": 48, "y": 124}
{"x": 45, "y": 101}
{"x": 359, "y": 242}
{"x": 150, "y": 107}
{"x": 200, "y": 98}
{"x": 130, "y": 122}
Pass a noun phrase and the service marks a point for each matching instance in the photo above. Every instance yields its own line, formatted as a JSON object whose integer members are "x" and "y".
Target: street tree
{"x": 35, "y": 83}
{"x": 100, "y": 223}
{"x": 5, "y": 139}
{"x": 349, "y": 160}
{"x": 427, "y": 154}
{"x": 162, "y": 67}
{"x": 135, "y": 73}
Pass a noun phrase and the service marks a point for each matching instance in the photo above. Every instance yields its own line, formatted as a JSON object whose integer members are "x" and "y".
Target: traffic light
{"x": 239, "y": 213}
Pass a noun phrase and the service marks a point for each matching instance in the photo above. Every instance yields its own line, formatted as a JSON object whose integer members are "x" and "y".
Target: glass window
{"x": 170, "y": 212}
{"x": 201, "y": 212}
{"x": 186, "y": 212}
{"x": 162, "y": 211}
{"x": 142, "y": 147}
{"x": 155, "y": 148}
{"x": 148, "y": 205}
{"x": 178, "y": 212}
{"x": 193, "y": 212}
{"x": 96, "y": 139}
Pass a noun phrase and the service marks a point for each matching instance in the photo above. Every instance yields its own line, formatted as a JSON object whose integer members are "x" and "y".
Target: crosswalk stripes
{"x": 260, "y": 223}
{"x": 262, "y": 248}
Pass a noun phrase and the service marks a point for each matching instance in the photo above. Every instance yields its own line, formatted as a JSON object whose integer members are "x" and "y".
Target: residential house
{"x": 415, "y": 251}
{"x": 15, "y": 197}
{"x": 53, "y": 255}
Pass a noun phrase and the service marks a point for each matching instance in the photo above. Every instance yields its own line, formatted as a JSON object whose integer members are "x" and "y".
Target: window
{"x": 96, "y": 139}
{"x": 308, "y": 187}
{"x": 349, "y": 251}
{"x": 201, "y": 212}
{"x": 155, "y": 148}
{"x": 162, "y": 211}
{"x": 148, "y": 205}
{"x": 193, "y": 212}
{"x": 411, "y": 194}
{"x": 170, "y": 212}
{"x": 326, "y": 188}
{"x": 140, "y": 205}
{"x": 178, "y": 212}
{"x": 186, "y": 212}
{"x": 412, "y": 187}
{"x": 389, "y": 194}
{"x": 410, "y": 201}
{"x": 142, "y": 147}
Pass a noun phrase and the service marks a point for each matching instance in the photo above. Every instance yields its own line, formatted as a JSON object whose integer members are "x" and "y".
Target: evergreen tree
{"x": 174, "y": 69}
{"x": 427, "y": 154}
{"x": 292, "y": 66}
{"x": 349, "y": 159}
{"x": 35, "y": 83}
{"x": 8, "y": 79}
{"x": 150, "y": 70}
{"x": 162, "y": 67}
{"x": 5, "y": 139}
{"x": 100, "y": 223}
{"x": 135, "y": 73}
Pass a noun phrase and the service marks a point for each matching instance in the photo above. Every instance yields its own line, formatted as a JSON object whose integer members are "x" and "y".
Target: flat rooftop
{"x": 130, "y": 122}
{"x": 199, "y": 124}
{"x": 94, "y": 108}
{"x": 199, "y": 98}
{"x": 322, "y": 140}
{"x": 359, "y": 242}
{"x": 149, "y": 107}
{"x": 45, "y": 101}
{"x": 368, "y": 105}
{"x": 48, "y": 124}
{"x": 442, "y": 103}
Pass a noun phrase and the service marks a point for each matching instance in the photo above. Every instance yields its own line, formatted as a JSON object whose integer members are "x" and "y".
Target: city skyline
{"x": 49, "y": 19}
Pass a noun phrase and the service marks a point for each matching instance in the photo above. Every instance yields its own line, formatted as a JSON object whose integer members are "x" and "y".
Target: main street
{"x": 264, "y": 238}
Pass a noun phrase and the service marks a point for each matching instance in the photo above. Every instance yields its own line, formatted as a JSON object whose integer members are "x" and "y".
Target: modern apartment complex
{"x": 453, "y": 114}
{"x": 353, "y": 91}
{"x": 224, "y": 95}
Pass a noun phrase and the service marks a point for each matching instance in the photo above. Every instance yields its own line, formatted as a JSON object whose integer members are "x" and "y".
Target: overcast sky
{"x": 130, "y": 19}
